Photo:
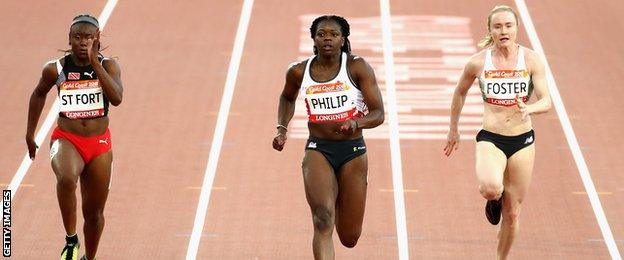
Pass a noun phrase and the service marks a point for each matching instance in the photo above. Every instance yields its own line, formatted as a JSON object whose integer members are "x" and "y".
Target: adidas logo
{"x": 529, "y": 140}
{"x": 312, "y": 145}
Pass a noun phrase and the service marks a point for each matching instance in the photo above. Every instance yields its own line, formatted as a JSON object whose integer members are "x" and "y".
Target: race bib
{"x": 81, "y": 99}
{"x": 503, "y": 86}
{"x": 332, "y": 102}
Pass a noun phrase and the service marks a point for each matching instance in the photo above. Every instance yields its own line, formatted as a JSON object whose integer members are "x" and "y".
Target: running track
{"x": 175, "y": 60}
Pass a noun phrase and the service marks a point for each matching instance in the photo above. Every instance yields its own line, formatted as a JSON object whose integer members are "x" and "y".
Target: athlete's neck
{"x": 506, "y": 51}
{"x": 328, "y": 61}
{"x": 79, "y": 62}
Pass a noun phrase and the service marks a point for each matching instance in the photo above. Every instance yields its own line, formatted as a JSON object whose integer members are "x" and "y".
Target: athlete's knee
{"x": 349, "y": 240}
{"x": 94, "y": 217}
{"x": 491, "y": 191}
{"x": 66, "y": 182}
{"x": 323, "y": 218}
{"x": 510, "y": 215}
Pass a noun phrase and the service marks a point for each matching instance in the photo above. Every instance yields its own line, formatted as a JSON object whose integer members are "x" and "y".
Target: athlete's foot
{"x": 493, "y": 210}
{"x": 70, "y": 251}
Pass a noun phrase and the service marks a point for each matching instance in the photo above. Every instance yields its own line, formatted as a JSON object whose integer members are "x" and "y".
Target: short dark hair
{"x": 344, "y": 29}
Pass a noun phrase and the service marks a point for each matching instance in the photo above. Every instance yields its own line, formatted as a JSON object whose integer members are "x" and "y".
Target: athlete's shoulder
{"x": 357, "y": 63}
{"x": 296, "y": 68}
{"x": 530, "y": 55}
{"x": 532, "y": 59}
{"x": 111, "y": 64}
{"x": 51, "y": 67}
{"x": 476, "y": 61}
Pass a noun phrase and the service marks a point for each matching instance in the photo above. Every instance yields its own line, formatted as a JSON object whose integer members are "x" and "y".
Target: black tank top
{"x": 79, "y": 91}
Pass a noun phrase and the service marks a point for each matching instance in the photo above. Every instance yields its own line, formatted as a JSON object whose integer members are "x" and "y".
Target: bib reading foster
{"x": 500, "y": 87}
{"x": 79, "y": 91}
{"x": 336, "y": 100}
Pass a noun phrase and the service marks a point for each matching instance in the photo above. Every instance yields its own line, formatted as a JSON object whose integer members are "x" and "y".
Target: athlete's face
{"x": 503, "y": 28}
{"x": 81, "y": 37}
{"x": 328, "y": 38}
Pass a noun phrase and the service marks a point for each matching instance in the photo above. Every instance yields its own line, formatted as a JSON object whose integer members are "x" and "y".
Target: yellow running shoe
{"x": 72, "y": 246}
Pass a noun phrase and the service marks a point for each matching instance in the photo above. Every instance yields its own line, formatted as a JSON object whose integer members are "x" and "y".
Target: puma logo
{"x": 89, "y": 74}
{"x": 312, "y": 145}
{"x": 105, "y": 141}
{"x": 529, "y": 140}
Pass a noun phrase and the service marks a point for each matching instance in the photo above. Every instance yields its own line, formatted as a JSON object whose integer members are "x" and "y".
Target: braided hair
{"x": 344, "y": 29}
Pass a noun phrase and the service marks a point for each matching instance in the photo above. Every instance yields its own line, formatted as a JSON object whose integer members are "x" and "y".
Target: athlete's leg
{"x": 351, "y": 200}
{"x": 321, "y": 190}
{"x": 517, "y": 180}
{"x": 94, "y": 187}
{"x": 490, "y": 166}
{"x": 67, "y": 166}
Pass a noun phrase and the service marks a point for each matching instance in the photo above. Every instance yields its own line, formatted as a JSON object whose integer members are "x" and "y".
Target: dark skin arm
{"x": 364, "y": 75}
{"x": 286, "y": 108}
{"x": 109, "y": 73}
{"x": 35, "y": 106}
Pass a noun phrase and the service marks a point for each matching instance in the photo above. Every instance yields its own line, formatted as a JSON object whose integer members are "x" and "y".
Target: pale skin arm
{"x": 540, "y": 87}
{"x": 468, "y": 76}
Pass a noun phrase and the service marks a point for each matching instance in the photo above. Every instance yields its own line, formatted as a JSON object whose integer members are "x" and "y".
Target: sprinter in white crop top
{"x": 342, "y": 98}
{"x": 508, "y": 74}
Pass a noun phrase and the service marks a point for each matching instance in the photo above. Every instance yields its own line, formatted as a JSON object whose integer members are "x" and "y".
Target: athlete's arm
{"x": 364, "y": 75}
{"x": 109, "y": 73}
{"x": 286, "y": 108}
{"x": 471, "y": 70}
{"x": 538, "y": 76}
{"x": 35, "y": 106}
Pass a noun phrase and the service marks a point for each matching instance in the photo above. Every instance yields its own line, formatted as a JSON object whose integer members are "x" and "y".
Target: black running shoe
{"x": 70, "y": 251}
{"x": 493, "y": 210}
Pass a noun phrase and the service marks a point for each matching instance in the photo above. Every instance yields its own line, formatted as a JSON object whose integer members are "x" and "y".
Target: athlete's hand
{"x": 452, "y": 142}
{"x": 348, "y": 127}
{"x": 32, "y": 147}
{"x": 94, "y": 49}
{"x": 522, "y": 107}
{"x": 279, "y": 141}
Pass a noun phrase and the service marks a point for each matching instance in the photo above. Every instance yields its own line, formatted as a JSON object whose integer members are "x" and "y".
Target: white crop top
{"x": 500, "y": 87}
{"x": 336, "y": 100}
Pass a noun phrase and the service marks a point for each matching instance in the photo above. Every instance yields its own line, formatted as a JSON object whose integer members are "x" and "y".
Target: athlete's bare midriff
{"x": 84, "y": 127}
{"x": 505, "y": 120}
{"x": 331, "y": 131}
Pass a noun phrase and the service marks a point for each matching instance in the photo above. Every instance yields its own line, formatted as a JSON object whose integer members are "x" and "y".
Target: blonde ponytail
{"x": 486, "y": 41}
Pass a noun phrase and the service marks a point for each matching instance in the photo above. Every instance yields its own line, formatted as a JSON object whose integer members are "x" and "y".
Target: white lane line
{"x": 51, "y": 117}
{"x": 217, "y": 139}
{"x": 570, "y": 136}
{"x": 393, "y": 123}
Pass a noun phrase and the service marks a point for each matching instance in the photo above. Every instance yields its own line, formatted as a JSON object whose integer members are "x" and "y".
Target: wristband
{"x": 285, "y": 128}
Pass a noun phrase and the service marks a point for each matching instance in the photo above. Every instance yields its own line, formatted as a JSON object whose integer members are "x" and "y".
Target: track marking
{"x": 569, "y": 134}
{"x": 598, "y": 192}
{"x": 49, "y": 120}
{"x": 217, "y": 140}
{"x": 393, "y": 123}
{"x": 405, "y": 190}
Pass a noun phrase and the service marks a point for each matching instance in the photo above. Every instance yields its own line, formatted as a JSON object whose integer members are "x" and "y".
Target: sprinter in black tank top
{"x": 81, "y": 144}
